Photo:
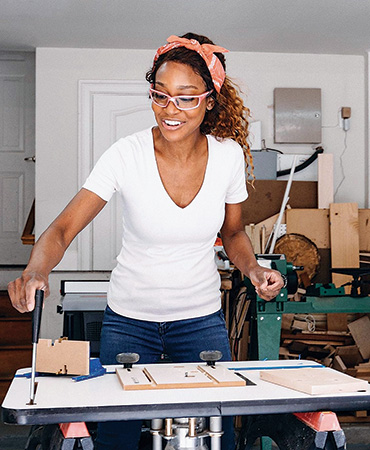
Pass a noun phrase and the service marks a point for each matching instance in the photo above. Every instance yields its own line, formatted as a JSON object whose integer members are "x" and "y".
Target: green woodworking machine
{"x": 266, "y": 317}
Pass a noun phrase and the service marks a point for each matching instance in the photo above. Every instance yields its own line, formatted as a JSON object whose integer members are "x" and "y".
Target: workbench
{"x": 60, "y": 399}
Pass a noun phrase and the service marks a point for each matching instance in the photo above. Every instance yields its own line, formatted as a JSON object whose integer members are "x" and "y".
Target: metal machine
{"x": 266, "y": 316}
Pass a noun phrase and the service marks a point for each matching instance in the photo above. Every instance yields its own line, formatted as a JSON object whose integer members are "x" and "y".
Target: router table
{"x": 59, "y": 399}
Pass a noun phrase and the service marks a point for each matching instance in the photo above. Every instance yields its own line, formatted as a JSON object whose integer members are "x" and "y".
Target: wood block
{"x": 318, "y": 336}
{"x": 322, "y": 380}
{"x": 350, "y": 355}
{"x": 254, "y": 233}
{"x": 361, "y": 413}
{"x": 325, "y": 175}
{"x": 344, "y": 239}
{"x": 338, "y": 364}
{"x": 360, "y": 330}
{"x": 300, "y": 325}
{"x": 363, "y": 365}
{"x": 336, "y": 321}
{"x": 327, "y": 361}
{"x": 287, "y": 321}
{"x": 63, "y": 357}
{"x": 312, "y": 223}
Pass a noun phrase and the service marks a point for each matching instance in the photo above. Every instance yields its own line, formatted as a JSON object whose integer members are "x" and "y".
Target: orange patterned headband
{"x": 206, "y": 51}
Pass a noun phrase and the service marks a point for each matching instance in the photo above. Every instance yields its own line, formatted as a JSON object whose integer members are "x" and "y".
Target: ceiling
{"x": 287, "y": 26}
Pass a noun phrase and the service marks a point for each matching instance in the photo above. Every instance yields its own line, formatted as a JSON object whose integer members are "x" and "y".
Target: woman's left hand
{"x": 267, "y": 282}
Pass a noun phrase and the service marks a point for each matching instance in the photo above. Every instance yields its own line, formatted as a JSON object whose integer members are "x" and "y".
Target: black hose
{"x": 310, "y": 160}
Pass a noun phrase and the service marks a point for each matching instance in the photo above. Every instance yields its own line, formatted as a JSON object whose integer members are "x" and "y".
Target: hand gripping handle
{"x": 36, "y": 315}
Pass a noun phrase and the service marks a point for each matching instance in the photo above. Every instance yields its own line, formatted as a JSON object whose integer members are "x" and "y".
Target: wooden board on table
{"x": 320, "y": 380}
{"x": 177, "y": 376}
{"x": 134, "y": 378}
{"x": 63, "y": 357}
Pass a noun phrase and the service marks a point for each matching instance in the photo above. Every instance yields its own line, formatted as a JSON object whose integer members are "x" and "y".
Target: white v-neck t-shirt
{"x": 166, "y": 269}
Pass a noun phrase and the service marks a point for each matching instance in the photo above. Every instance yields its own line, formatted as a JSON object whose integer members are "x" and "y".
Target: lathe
{"x": 266, "y": 317}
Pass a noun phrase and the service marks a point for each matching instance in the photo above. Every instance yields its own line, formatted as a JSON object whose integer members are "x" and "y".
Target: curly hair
{"x": 229, "y": 118}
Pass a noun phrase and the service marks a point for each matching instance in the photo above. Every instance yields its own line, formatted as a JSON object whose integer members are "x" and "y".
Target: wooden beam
{"x": 344, "y": 239}
{"x": 325, "y": 175}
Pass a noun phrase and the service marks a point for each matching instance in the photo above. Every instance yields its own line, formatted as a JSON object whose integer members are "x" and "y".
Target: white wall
{"x": 342, "y": 83}
{"x": 341, "y": 79}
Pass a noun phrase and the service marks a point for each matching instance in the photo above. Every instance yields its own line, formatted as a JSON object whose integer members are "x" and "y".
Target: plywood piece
{"x": 63, "y": 357}
{"x": 266, "y": 227}
{"x": 222, "y": 376}
{"x": 364, "y": 229}
{"x": 338, "y": 364}
{"x": 314, "y": 381}
{"x": 178, "y": 376}
{"x": 254, "y": 233}
{"x": 350, "y": 355}
{"x": 336, "y": 321}
{"x": 266, "y": 197}
{"x": 312, "y": 223}
{"x": 133, "y": 379}
{"x": 325, "y": 175}
{"x": 344, "y": 239}
{"x": 360, "y": 331}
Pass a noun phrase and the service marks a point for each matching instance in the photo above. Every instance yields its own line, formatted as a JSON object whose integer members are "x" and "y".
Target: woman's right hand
{"x": 22, "y": 290}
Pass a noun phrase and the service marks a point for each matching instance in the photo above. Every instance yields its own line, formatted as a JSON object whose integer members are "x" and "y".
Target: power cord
{"x": 341, "y": 164}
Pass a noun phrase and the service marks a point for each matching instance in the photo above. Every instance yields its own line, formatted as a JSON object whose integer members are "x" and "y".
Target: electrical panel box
{"x": 265, "y": 164}
{"x": 297, "y": 115}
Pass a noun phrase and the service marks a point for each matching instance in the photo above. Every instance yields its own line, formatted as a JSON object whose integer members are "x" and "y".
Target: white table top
{"x": 60, "y": 399}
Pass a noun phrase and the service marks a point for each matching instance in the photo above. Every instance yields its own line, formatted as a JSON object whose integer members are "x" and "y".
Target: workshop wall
{"x": 342, "y": 83}
{"x": 340, "y": 77}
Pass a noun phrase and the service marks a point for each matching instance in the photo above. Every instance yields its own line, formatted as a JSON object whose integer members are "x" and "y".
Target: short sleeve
{"x": 103, "y": 179}
{"x": 237, "y": 190}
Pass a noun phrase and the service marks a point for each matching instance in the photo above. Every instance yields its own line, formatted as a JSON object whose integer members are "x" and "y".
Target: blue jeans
{"x": 181, "y": 340}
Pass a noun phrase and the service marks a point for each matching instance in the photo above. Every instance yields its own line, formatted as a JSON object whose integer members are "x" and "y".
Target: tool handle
{"x": 36, "y": 316}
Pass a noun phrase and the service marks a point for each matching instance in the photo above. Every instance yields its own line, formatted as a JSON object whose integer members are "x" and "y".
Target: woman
{"x": 181, "y": 182}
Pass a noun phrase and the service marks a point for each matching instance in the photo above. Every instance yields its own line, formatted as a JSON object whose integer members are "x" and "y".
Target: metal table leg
{"x": 156, "y": 426}
{"x": 215, "y": 429}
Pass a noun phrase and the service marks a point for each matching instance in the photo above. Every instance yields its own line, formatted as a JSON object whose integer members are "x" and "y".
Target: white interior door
{"x": 17, "y": 147}
{"x": 114, "y": 113}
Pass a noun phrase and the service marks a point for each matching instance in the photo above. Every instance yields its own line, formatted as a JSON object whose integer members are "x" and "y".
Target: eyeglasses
{"x": 182, "y": 102}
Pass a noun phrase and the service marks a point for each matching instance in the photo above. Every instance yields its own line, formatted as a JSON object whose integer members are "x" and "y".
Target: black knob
{"x": 127, "y": 359}
{"x": 210, "y": 356}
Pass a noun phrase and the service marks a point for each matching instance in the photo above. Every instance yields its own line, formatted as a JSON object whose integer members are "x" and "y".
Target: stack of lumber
{"x": 341, "y": 234}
